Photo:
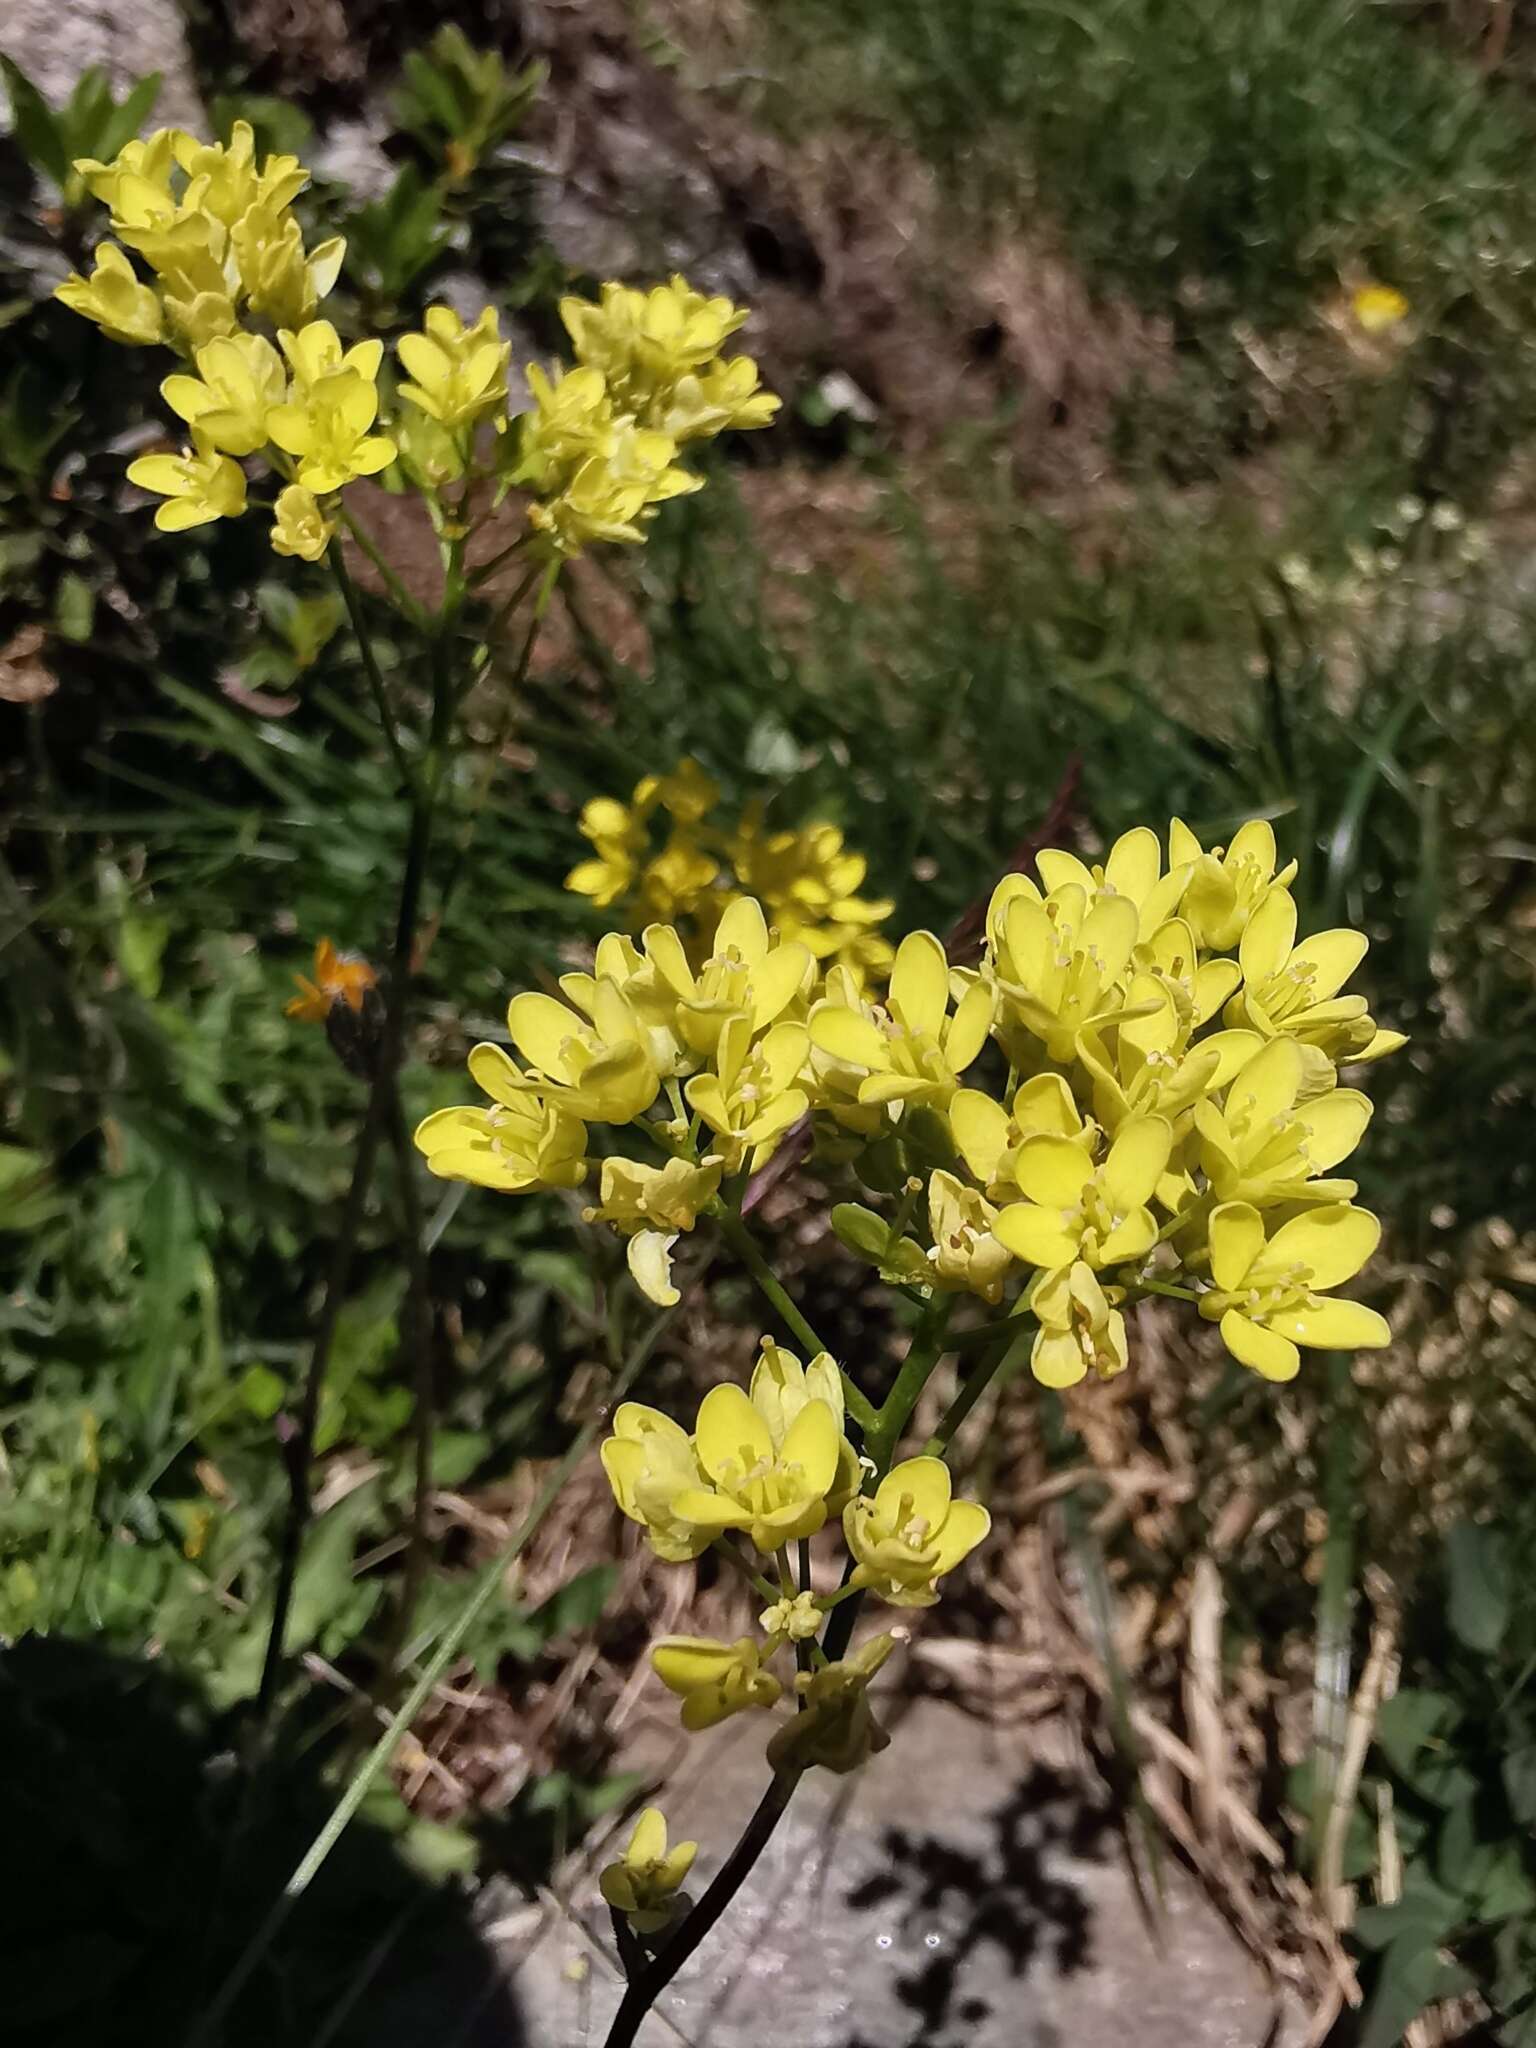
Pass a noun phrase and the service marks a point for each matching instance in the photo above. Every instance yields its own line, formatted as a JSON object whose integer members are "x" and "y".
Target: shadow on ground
{"x": 985, "y": 1912}
{"x": 136, "y": 1880}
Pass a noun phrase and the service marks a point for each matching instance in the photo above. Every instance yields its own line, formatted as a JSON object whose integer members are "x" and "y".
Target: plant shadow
{"x": 986, "y": 1912}
{"x": 141, "y": 1871}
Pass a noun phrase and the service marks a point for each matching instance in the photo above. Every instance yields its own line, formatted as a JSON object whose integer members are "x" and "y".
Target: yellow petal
{"x": 1110, "y": 930}
{"x": 675, "y": 1866}
{"x": 1333, "y": 1243}
{"x": 618, "y": 1888}
{"x": 919, "y": 992}
{"x": 966, "y": 1524}
{"x": 648, "y": 1843}
{"x": 730, "y": 1434}
{"x": 1045, "y": 1104}
{"x": 650, "y": 1261}
{"x": 1054, "y": 1171}
{"x": 1136, "y": 1161}
{"x": 1332, "y": 1325}
{"x": 1254, "y": 841}
{"x": 634, "y": 1421}
{"x": 744, "y": 930}
{"x": 708, "y": 1510}
{"x": 1268, "y": 937}
{"x": 1037, "y": 1236}
{"x": 1132, "y": 1238}
{"x": 847, "y": 1036}
{"x": 1057, "y": 1359}
{"x": 1335, "y": 1124}
{"x": 683, "y": 1664}
{"x": 776, "y": 981}
{"x": 1237, "y": 1239}
{"x": 1059, "y": 870}
{"x": 969, "y": 1026}
{"x": 541, "y": 1029}
{"x": 1134, "y": 864}
{"x": 812, "y": 1444}
{"x": 979, "y": 1127}
{"x": 923, "y": 1481}
{"x": 499, "y": 1076}
{"x": 1266, "y": 1088}
{"x": 1331, "y": 958}
{"x": 1268, "y": 1353}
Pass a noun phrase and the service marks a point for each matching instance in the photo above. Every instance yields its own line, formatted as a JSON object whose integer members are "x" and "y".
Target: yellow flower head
{"x": 1080, "y": 1328}
{"x": 314, "y": 353}
{"x": 339, "y": 978}
{"x": 644, "y": 343}
{"x": 644, "y": 1882}
{"x": 748, "y": 975}
{"x": 198, "y": 485}
{"x": 300, "y": 527}
{"x": 1057, "y": 962}
{"x": 146, "y": 163}
{"x": 835, "y": 1727}
{"x": 753, "y": 1095}
{"x": 650, "y": 1464}
{"x": 520, "y": 1142}
{"x": 458, "y": 374}
{"x": 224, "y": 179}
{"x": 966, "y": 1256}
{"x": 1266, "y": 1294}
{"x": 328, "y": 427}
{"x": 1283, "y": 1123}
{"x": 1294, "y": 988}
{"x": 909, "y": 1050}
{"x": 1133, "y": 869}
{"x": 283, "y": 282}
{"x": 571, "y": 423}
{"x": 1223, "y": 888}
{"x": 713, "y": 1680}
{"x": 775, "y": 1492}
{"x": 651, "y": 1205}
{"x": 1378, "y": 308}
{"x": 239, "y": 381}
{"x": 911, "y": 1533}
{"x": 113, "y": 297}
{"x": 599, "y": 1066}
{"x": 1074, "y": 1209}
{"x": 782, "y": 1387}
{"x": 724, "y": 395}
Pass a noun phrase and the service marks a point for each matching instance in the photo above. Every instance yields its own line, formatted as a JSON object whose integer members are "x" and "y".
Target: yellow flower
{"x": 520, "y": 1142}
{"x": 988, "y": 1137}
{"x": 644, "y": 343}
{"x": 748, "y": 975}
{"x": 327, "y": 426}
{"x": 650, "y": 1463}
{"x": 339, "y": 978}
{"x": 753, "y": 1096}
{"x": 188, "y": 252}
{"x": 618, "y": 838}
{"x": 1280, "y": 1126}
{"x": 198, "y": 485}
{"x": 1226, "y": 886}
{"x": 1057, "y": 962}
{"x": 283, "y": 282}
{"x": 678, "y": 880}
{"x": 643, "y": 1883}
{"x": 835, "y": 1726}
{"x": 201, "y": 317}
{"x": 1378, "y": 308}
{"x": 791, "y": 1621}
{"x": 239, "y": 381}
{"x": 223, "y": 179}
{"x": 314, "y": 352}
{"x": 1265, "y": 1296}
{"x": 148, "y": 162}
{"x": 911, "y": 1050}
{"x": 776, "y": 1493}
{"x": 1080, "y": 1329}
{"x": 1133, "y": 868}
{"x": 687, "y": 794}
{"x": 600, "y": 1067}
{"x": 1076, "y": 1210}
{"x": 1294, "y": 989}
{"x": 713, "y": 1680}
{"x": 724, "y": 395}
{"x": 652, "y": 1204}
{"x": 781, "y": 1387}
{"x": 608, "y": 496}
{"x": 911, "y": 1533}
{"x": 570, "y": 423}
{"x": 300, "y": 527}
{"x": 966, "y": 1256}
{"x": 113, "y": 297}
{"x": 458, "y": 374}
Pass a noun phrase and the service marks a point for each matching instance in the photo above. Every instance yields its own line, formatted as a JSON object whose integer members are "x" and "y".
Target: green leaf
{"x": 1424, "y": 1911}
{"x": 35, "y": 125}
{"x": 1412, "y": 1977}
{"x": 74, "y": 607}
{"x": 141, "y": 943}
{"x": 578, "y": 1604}
{"x": 1477, "y": 1565}
{"x": 456, "y": 1453}
{"x": 1520, "y": 1783}
{"x": 1408, "y": 1721}
{"x": 125, "y": 120}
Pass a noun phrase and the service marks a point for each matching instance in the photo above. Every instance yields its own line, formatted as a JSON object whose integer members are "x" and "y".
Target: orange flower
{"x": 339, "y": 978}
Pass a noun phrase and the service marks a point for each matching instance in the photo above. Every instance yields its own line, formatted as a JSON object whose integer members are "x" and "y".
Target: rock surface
{"x": 968, "y": 1887}
{"x": 53, "y": 43}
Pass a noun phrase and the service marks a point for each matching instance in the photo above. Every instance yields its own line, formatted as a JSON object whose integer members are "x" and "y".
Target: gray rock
{"x": 54, "y": 40}
{"x": 969, "y": 1886}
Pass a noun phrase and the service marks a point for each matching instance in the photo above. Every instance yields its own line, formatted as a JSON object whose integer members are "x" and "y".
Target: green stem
{"x": 490, "y": 1585}
{"x": 923, "y": 1354}
{"x": 418, "y": 1320}
{"x": 1002, "y": 1360}
{"x": 745, "y": 1246}
{"x": 371, "y": 670}
{"x": 728, "y": 1550}
{"x": 370, "y": 547}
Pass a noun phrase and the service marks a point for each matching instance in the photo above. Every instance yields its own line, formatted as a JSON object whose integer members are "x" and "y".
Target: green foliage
{"x": 1459, "y": 1756}
{"x": 458, "y": 102}
{"x": 394, "y": 243}
{"x": 91, "y": 123}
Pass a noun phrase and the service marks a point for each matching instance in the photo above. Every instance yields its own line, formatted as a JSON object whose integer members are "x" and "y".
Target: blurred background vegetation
{"x": 1099, "y": 495}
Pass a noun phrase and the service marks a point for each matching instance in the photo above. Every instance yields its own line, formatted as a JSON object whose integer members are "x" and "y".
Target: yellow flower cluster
{"x": 598, "y": 449}
{"x": 231, "y": 286}
{"x": 1159, "y": 1106}
{"x": 774, "y": 1466}
{"x": 807, "y": 880}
